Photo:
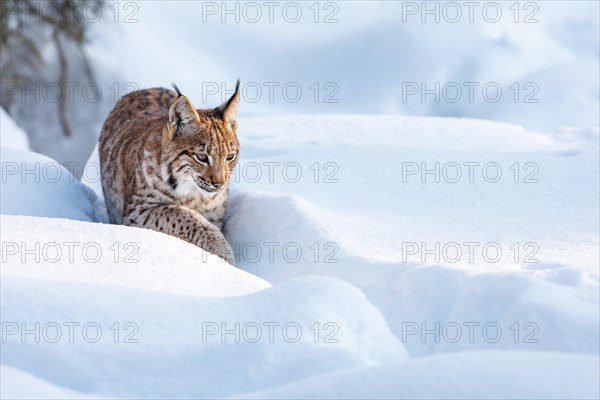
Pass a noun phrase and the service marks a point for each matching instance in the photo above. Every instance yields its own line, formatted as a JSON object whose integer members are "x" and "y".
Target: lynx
{"x": 165, "y": 165}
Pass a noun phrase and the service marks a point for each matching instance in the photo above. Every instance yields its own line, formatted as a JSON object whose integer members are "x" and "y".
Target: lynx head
{"x": 200, "y": 147}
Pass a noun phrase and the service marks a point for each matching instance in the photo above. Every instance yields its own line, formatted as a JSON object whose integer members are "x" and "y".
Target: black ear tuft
{"x": 178, "y": 91}
{"x": 229, "y": 108}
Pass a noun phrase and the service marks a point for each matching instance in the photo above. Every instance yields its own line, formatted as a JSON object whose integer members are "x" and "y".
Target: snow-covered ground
{"x": 357, "y": 275}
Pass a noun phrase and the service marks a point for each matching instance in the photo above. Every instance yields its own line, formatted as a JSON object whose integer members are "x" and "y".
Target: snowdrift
{"x": 35, "y": 185}
{"x": 12, "y": 135}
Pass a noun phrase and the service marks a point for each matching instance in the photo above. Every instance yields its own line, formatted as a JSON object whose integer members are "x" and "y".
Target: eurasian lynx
{"x": 165, "y": 165}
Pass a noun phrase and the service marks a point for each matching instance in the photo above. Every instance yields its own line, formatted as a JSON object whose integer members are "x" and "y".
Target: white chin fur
{"x": 188, "y": 188}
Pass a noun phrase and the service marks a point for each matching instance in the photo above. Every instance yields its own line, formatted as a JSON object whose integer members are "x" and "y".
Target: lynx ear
{"x": 181, "y": 114}
{"x": 229, "y": 109}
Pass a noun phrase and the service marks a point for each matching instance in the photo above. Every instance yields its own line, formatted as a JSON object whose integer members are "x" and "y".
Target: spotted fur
{"x": 165, "y": 165}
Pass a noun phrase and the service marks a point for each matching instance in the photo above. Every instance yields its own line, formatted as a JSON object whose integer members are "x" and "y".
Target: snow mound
{"x": 190, "y": 346}
{"x": 14, "y": 381}
{"x": 11, "y": 135}
{"x": 35, "y": 185}
{"x": 80, "y": 252}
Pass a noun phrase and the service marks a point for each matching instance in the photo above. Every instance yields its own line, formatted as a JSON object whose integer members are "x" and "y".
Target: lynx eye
{"x": 231, "y": 157}
{"x": 201, "y": 157}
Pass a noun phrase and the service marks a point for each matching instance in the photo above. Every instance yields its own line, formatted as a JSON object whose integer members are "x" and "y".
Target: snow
{"x": 329, "y": 251}
{"x": 12, "y": 135}
{"x": 424, "y": 248}
{"x": 15, "y": 380}
{"x": 35, "y": 185}
{"x": 167, "y": 350}
{"x": 466, "y": 376}
{"x": 117, "y": 256}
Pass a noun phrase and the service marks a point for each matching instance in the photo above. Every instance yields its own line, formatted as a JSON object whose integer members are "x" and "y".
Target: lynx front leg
{"x": 188, "y": 225}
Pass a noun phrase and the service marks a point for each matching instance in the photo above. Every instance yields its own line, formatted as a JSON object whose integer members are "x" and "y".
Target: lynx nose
{"x": 217, "y": 180}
